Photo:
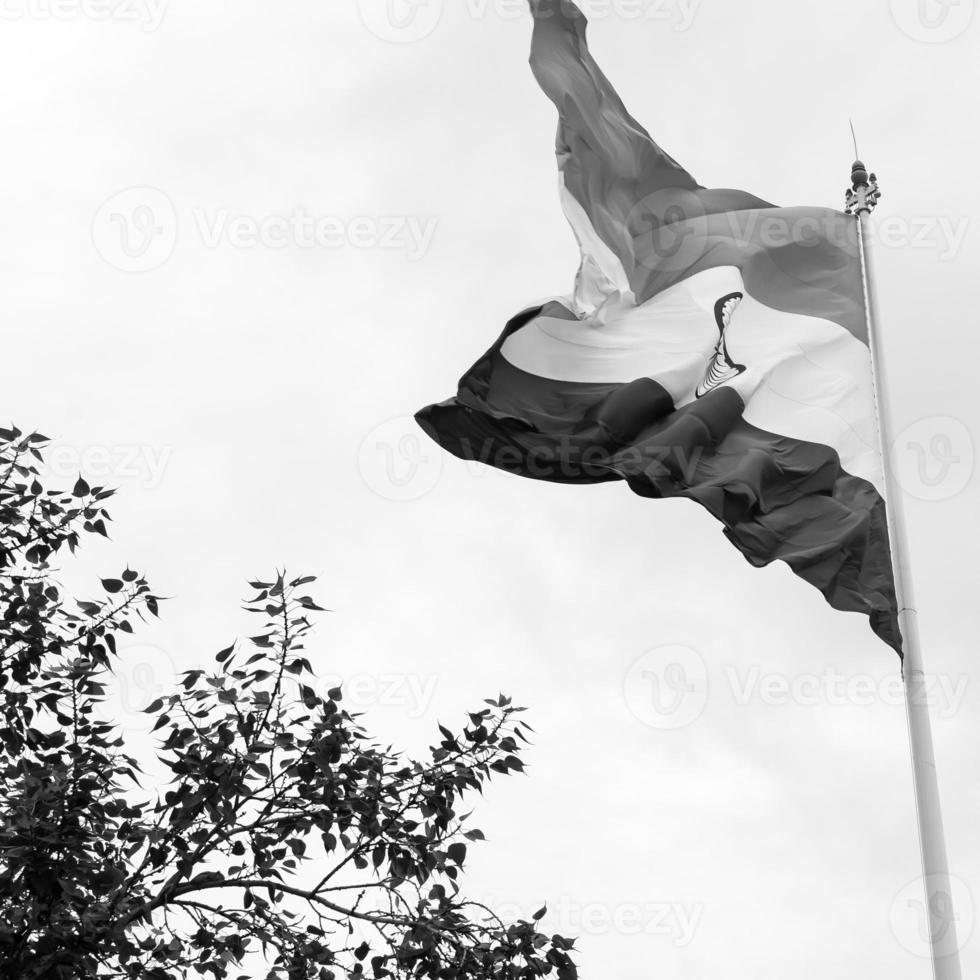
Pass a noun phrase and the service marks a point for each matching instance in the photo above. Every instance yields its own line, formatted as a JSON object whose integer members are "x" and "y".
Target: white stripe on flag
{"x": 805, "y": 377}
{"x": 601, "y": 275}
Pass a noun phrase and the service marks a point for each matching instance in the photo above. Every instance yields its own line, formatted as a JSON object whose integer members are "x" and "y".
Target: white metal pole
{"x": 935, "y": 868}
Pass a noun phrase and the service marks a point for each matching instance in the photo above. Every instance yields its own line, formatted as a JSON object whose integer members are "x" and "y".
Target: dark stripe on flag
{"x": 778, "y": 498}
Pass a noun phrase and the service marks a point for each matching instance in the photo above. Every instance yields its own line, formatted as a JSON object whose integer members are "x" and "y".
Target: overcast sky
{"x": 336, "y": 207}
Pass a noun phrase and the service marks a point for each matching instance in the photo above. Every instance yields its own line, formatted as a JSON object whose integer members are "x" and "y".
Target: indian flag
{"x": 714, "y": 347}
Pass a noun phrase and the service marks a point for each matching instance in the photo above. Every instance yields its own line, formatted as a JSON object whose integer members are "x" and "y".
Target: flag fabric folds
{"x": 714, "y": 347}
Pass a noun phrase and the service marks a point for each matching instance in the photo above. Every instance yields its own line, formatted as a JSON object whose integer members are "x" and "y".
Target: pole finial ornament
{"x": 863, "y": 194}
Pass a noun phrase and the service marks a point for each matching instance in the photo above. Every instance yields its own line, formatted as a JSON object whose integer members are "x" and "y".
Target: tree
{"x": 287, "y": 843}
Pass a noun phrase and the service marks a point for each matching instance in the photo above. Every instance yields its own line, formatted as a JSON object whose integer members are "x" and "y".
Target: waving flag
{"x": 714, "y": 347}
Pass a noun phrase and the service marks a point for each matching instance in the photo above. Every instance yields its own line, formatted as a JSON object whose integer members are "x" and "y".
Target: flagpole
{"x": 944, "y": 950}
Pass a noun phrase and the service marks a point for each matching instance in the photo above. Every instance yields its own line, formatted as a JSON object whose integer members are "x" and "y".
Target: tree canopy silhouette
{"x": 286, "y": 843}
